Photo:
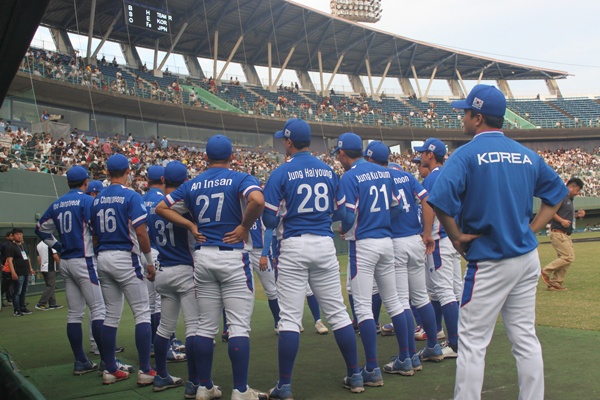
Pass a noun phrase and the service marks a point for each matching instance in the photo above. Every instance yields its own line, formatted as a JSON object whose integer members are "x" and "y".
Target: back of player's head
{"x": 76, "y": 176}
{"x": 351, "y": 143}
{"x": 175, "y": 174}
{"x": 94, "y": 187}
{"x": 155, "y": 174}
{"x": 298, "y": 131}
{"x": 219, "y": 148}
{"x": 377, "y": 151}
{"x": 117, "y": 164}
{"x": 486, "y": 100}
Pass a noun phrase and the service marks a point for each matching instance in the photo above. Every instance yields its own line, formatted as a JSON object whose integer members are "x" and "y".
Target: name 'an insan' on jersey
{"x": 437, "y": 230}
{"x": 489, "y": 183}
{"x": 303, "y": 193}
{"x": 174, "y": 243}
{"x": 217, "y": 201}
{"x": 70, "y": 216}
{"x": 408, "y": 189}
{"x": 116, "y": 212}
{"x": 368, "y": 190}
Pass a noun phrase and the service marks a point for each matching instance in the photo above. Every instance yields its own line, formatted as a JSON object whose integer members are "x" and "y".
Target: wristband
{"x": 149, "y": 259}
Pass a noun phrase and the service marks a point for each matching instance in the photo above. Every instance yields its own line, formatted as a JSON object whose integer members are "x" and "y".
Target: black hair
{"x": 117, "y": 174}
{"x": 300, "y": 145}
{"x": 439, "y": 159}
{"x": 575, "y": 181}
{"x": 223, "y": 161}
{"x": 354, "y": 153}
{"x": 76, "y": 184}
{"x": 17, "y": 230}
{"x": 154, "y": 182}
{"x": 9, "y": 233}
{"x": 491, "y": 121}
{"x": 172, "y": 185}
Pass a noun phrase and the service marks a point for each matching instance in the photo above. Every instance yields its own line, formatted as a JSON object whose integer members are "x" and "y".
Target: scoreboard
{"x": 147, "y": 18}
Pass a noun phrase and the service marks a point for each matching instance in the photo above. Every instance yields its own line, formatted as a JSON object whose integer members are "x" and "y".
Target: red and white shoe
{"x": 146, "y": 378}
{"x": 110, "y": 378}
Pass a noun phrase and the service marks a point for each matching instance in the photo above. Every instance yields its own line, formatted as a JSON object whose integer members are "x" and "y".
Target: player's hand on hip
{"x": 200, "y": 238}
{"x": 463, "y": 241}
{"x": 239, "y": 234}
{"x": 263, "y": 263}
{"x": 429, "y": 244}
{"x": 151, "y": 272}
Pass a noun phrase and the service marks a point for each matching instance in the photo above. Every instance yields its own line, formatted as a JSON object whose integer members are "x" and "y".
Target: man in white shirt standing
{"x": 48, "y": 262}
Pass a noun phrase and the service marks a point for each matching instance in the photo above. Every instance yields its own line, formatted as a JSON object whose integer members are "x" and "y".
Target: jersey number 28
{"x": 321, "y": 199}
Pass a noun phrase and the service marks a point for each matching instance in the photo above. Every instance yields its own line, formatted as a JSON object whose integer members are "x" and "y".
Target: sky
{"x": 550, "y": 34}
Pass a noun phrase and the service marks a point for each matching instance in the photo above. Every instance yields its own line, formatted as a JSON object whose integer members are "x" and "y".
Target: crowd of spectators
{"x": 41, "y": 152}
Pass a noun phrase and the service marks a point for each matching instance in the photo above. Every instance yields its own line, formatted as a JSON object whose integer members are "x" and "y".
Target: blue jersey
{"x": 368, "y": 191}
{"x": 303, "y": 193}
{"x": 151, "y": 199}
{"x": 175, "y": 244}
{"x": 489, "y": 183}
{"x": 256, "y": 232}
{"x": 408, "y": 189}
{"x": 70, "y": 215}
{"x": 216, "y": 200}
{"x": 116, "y": 212}
{"x": 437, "y": 230}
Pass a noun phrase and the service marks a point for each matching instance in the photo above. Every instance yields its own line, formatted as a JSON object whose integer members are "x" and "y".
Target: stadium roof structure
{"x": 287, "y": 25}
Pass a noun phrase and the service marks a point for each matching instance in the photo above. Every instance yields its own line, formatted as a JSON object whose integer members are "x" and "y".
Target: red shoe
{"x": 110, "y": 378}
{"x": 146, "y": 378}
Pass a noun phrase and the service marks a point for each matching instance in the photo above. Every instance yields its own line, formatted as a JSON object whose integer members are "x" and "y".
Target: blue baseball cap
{"x": 94, "y": 187}
{"x": 377, "y": 151}
{"x": 219, "y": 147}
{"x": 348, "y": 141}
{"x": 117, "y": 162}
{"x": 395, "y": 166}
{"x": 416, "y": 160}
{"x": 484, "y": 99}
{"x": 155, "y": 172}
{"x": 77, "y": 173}
{"x": 295, "y": 129}
{"x": 176, "y": 172}
{"x": 436, "y": 146}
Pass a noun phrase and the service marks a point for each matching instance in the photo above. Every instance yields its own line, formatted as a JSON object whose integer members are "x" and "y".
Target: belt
{"x": 561, "y": 231}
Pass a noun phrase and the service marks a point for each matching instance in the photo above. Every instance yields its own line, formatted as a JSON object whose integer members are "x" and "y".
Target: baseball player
{"x": 302, "y": 194}
{"x": 153, "y": 196}
{"x": 175, "y": 282}
{"x": 70, "y": 216}
{"x": 368, "y": 191}
{"x": 410, "y": 250}
{"x": 93, "y": 189}
{"x": 119, "y": 225}
{"x": 225, "y": 204}
{"x": 442, "y": 264}
{"x": 260, "y": 258}
{"x": 488, "y": 184}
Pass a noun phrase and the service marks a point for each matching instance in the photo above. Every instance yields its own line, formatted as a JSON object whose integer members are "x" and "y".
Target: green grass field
{"x": 568, "y": 327}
